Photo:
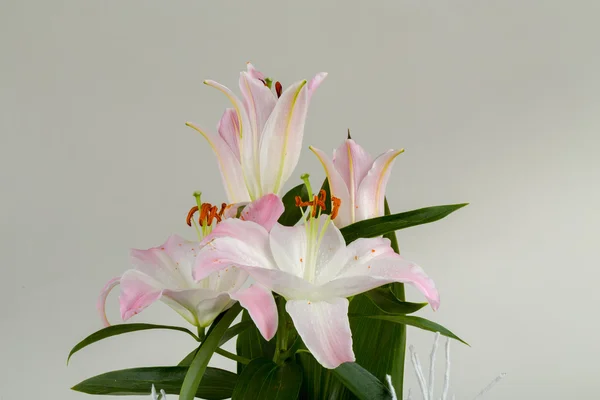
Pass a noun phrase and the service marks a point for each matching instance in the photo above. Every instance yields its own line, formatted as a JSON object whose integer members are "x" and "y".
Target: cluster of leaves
{"x": 270, "y": 371}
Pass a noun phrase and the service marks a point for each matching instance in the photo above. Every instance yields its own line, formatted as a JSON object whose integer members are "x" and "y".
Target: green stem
{"x": 232, "y": 356}
{"x": 397, "y": 371}
{"x": 207, "y": 348}
{"x": 201, "y": 334}
{"x": 281, "y": 337}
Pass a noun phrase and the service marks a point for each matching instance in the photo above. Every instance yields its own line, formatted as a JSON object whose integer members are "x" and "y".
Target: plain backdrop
{"x": 496, "y": 103}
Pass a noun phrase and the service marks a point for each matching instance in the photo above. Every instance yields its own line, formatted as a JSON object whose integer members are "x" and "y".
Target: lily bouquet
{"x": 309, "y": 282}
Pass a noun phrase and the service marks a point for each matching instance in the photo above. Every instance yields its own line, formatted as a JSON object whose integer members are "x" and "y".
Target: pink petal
{"x": 231, "y": 243}
{"x": 281, "y": 140}
{"x": 315, "y": 82}
{"x": 262, "y": 308}
{"x": 264, "y": 211}
{"x": 229, "y": 165}
{"x": 247, "y": 155}
{"x": 168, "y": 265}
{"x": 229, "y": 131}
{"x": 373, "y": 263}
{"x": 254, "y": 73}
{"x": 259, "y": 102}
{"x": 371, "y": 192}
{"x": 338, "y": 189}
{"x": 353, "y": 164}
{"x": 101, "y": 303}
{"x": 324, "y": 328}
{"x": 138, "y": 291}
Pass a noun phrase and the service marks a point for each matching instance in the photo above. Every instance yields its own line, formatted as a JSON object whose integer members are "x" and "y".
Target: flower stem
{"x": 397, "y": 372}
{"x": 281, "y": 337}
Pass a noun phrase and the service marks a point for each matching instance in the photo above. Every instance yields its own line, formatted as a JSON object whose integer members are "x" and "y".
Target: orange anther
{"x": 190, "y": 215}
{"x": 278, "y": 89}
{"x": 336, "y": 206}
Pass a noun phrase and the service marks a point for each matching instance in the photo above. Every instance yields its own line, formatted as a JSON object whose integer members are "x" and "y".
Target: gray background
{"x": 496, "y": 103}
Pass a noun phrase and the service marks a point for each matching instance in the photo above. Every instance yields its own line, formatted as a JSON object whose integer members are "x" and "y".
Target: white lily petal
{"x": 261, "y": 306}
{"x": 288, "y": 247}
{"x": 247, "y": 158}
{"x": 259, "y": 102}
{"x": 353, "y": 163}
{"x": 101, "y": 303}
{"x": 361, "y": 277}
{"x": 324, "y": 328}
{"x": 229, "y": 131}
{"x": 281, "y": 140}
{"x": 337, "y": 188}
{"x": 198, "y": 306}
{"x": 315, "y": 82}
{"x": 234, "y": 243}
{"x": 229, "y": 165}
{"x": 371, "y": 192}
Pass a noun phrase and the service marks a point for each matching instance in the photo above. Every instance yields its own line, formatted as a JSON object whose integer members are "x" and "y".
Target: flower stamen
{"x": 336, "y": 206}
{"x": 278, "y": 89}
{"x": 190, "y": 215}
{"x": 318, "y": 202}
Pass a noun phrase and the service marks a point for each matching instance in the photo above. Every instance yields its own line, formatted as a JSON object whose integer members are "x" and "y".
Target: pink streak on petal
{"x": 261, "y": 306}
{"x": 324, "y": 328}
{"x": 264, "y": 211}
{"x": 101, "y": 303}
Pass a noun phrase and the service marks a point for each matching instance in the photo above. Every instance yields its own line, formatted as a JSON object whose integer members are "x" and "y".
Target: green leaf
{"x": 292, "y": 214}
{"x": 381, "y": 225}
{"x": 411, "y": 320}
{"x": 188, "y": 359}
{"x": 115, "y": 330}
{"x": 216, "y": 383}
{"x": 387, "y": 302}
{"x": 207, "y": 348}
{"x": 265, "y": 380}
{"x": 362, "y": 383}
{"x": 251, "y": 344}
{"x": 234, "y": 331}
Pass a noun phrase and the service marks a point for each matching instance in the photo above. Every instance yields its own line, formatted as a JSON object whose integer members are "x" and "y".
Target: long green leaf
{"x": 251, "y": 344}
{"x": 234, "y": 331}
{"x": 362, "y": 383}
{"x": 387, "y": 302}
{"x": 115, "y": 330}
{"x": 205, "y": 352}
{"x": 265, "y": 380}
{"x": 216, "y": 383}
{"x": 411, "y": 320}
{"x": 381, "y": 225}
{"x": 292, "y": 214}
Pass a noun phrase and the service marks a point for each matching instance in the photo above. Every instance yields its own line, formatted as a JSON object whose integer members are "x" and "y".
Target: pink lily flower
{"x": 165, "y": 273}
{"x": 259, "y": 139}
{"x": 313, "y": 269}
{"x": 357, "y": 180}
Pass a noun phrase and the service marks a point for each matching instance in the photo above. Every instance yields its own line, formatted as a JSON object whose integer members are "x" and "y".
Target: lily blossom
{"x": 311, "y": 266}
{"x": 259, "y": 139}
{"x": 357, "y": 180}
{"x": 165, "y": 273}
